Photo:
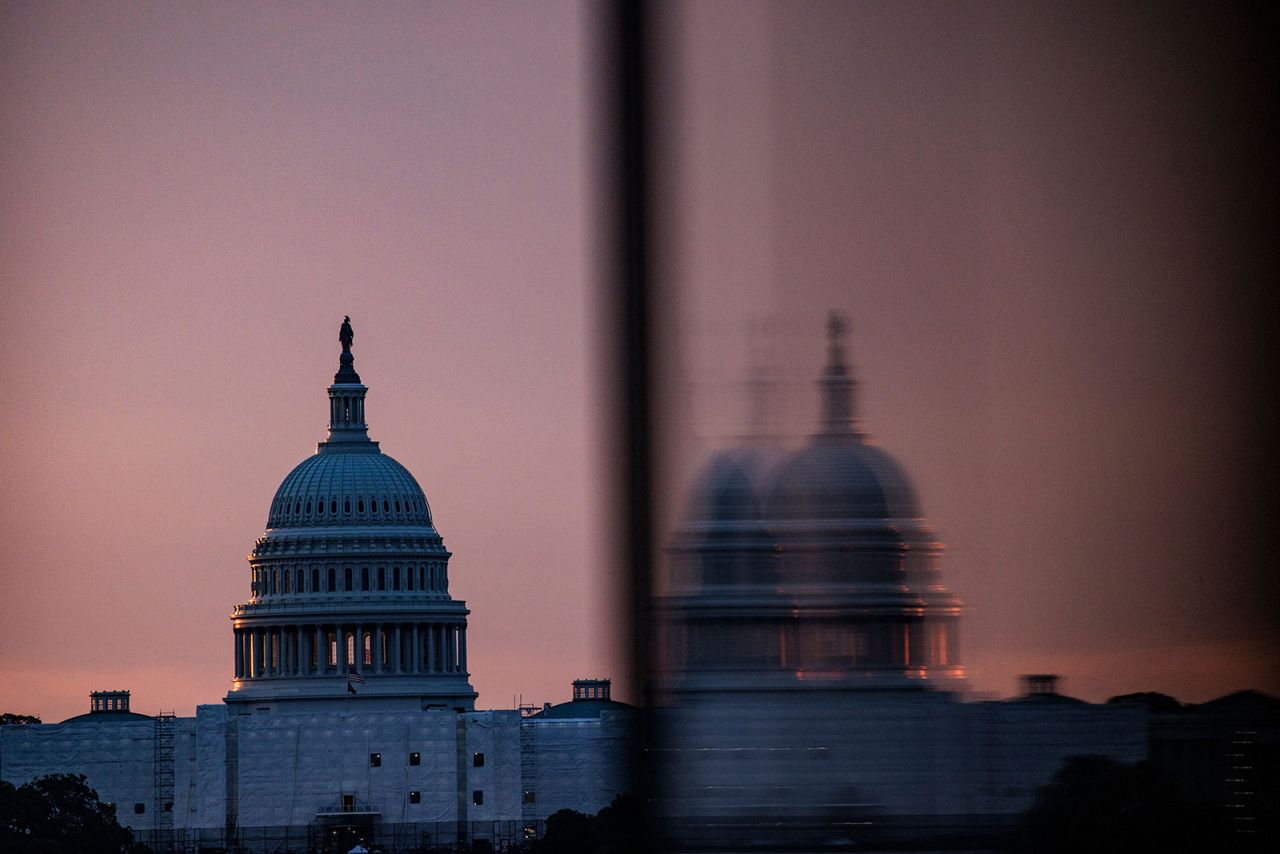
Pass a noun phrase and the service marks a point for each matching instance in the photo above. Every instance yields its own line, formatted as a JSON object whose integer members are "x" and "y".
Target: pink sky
{"x": 193, "y": 197}
{"x": 1038, "y": 222}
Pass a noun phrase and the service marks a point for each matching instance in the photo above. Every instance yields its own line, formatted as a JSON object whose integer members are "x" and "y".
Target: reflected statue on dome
{"x": 345, "y": 334}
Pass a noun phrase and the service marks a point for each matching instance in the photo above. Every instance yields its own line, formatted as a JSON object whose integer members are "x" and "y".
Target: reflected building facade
{"x": 811, "y": 680}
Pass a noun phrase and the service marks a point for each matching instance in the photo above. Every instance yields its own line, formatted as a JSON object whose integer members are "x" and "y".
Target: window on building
{"x": 275, "y": 581}
{"x": 288, "y": 587}
{"x": 382, "y": 578}
{"x": 364, "y": 578}
{"x": 529, "y": 796}
{"x": 348, "y": 803}
{"x": 375, "y": 760}
{"x": 351, "y": 649}
{"x": 415, "y": 797}
{"x": 368, "y": 649}
{"x": 415, "y": 758}
{"x": 477, "y": 797}
{"x": 360, "y": 506}
{"x": 333, "y": 575}
{"x": 477, "y": 760}
{"x": 139, "y": 808}
{"x": 315, "y": 579}
{"x": 395, "y": 578}
{"x": 408, "y": 577}
{"x": 346, "y": 506}
{"x": 347, "y": 578}
{"x": 333, "y": 649}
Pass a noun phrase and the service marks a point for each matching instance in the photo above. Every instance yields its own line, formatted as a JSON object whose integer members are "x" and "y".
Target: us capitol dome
{"x": 349, "y": 584}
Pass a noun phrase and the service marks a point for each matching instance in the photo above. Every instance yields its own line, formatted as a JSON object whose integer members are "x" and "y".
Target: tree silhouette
{"x": 59, "y": 814}
{"x": 8, "y": 718}
{"x": 1097, "y": 804}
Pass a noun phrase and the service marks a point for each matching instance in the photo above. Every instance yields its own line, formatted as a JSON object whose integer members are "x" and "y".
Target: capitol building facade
{"x": 351, "y": 716}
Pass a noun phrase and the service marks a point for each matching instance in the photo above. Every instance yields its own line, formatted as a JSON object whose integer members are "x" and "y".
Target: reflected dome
{"x": 842, "y": 480}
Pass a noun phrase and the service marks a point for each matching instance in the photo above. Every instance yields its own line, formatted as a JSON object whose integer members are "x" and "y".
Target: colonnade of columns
{"x": 333, "y": 649}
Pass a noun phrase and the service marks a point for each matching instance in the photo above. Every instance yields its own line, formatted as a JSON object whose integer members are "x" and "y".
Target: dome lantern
{"x": 837, "y": 383}
{"x": 347, "y": 427}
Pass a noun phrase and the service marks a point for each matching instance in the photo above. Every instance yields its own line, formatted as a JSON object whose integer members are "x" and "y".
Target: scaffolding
{"x": 164, "y": 776}
{"x": 528, "y": 776}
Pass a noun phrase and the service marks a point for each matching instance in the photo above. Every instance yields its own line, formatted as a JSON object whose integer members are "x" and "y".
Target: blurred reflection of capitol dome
{"x": 812, "y": 569}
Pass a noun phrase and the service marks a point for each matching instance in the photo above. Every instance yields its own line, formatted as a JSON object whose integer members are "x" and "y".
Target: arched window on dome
{"x": 275, "y": 581}
{"x": 364, "y": 578}
{"x": 320, "y": 507}
{"x": 308, "y": 508}
{"x": 346, "y": 505}
{"x": 360, "y": 505}
{"x": 287, "y": 585}
{"x": 297, "y": 588}
{"x": 395, "y": 578}
{"x": 397, "y": 505}
{"x": 333, "y": 580}
{"x": 382, "y": 578}
{"x": 409, "y": 573}
{"x": 333, "y": 507}
{"x": 347, "y": 579}
{"x": 386, "y": 508}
